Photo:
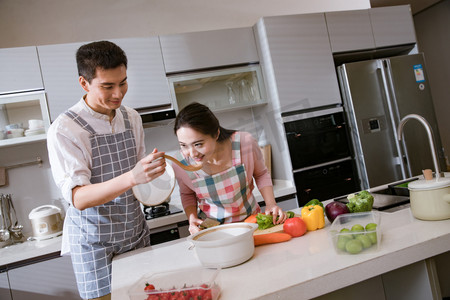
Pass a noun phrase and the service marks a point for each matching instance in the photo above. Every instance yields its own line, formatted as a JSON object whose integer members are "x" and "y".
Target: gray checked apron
{"x": 98, "y": 233}
{"x": 225, "y": 196}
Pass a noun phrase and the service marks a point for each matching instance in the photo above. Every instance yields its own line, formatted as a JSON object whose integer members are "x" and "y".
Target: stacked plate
{"x": 36, "y": 127}
{"x": 30, "y": 132}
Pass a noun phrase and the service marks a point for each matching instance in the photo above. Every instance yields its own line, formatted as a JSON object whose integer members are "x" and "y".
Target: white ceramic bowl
{"x": 35, "y": 124}
{"x": 14, "y": 133}
{"x": 13, "y": 126}
{"x": 224, "y": 245}
{"x": 158, "y": 190}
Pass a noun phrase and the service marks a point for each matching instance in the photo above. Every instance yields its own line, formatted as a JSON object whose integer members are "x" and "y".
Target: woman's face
{"x": 196, "y": 145}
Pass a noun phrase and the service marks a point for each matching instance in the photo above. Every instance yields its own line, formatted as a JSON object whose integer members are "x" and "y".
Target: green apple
{"x": 354, "y": 246}
{"x": 365, "y": 240}
{"x": 371, "y": 226}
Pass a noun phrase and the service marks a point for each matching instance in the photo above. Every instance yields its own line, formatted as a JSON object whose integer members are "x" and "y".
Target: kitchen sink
{"x": 393, "y": 198}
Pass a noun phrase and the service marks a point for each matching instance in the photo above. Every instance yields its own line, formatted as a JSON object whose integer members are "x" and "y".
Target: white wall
{"x": 39, "y": 22}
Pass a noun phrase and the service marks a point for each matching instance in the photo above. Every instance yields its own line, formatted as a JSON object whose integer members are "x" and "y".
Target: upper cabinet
{"x": 59, "y": 71}
{"x": 350, "y": 30}
{"x": 392, "y": 25}
{"x": 19, "y": 70}
{"x": 297, "y": 50}
{"x": 370, "y": 28}
{"x": 147, "y": 83}
{"x": 208, "y": 49}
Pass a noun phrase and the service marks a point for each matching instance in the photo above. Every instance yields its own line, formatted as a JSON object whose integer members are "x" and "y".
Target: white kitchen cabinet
{"x": 147, "y": 84}
{"x": 392, "y": 25}
{"x": 370, "y": 28}
{"x": 60, "y": 76}
{"x": 297, "y": 50}
{"x": 350, "y": 30}
{"x": 19, "y": 70}
{"x": 5, "y": 292}
{"x": 220, "y": 90}
{"x": 19, "y": 109}
{"x": 207, "y": 49}
{"x": 49, "y": 279}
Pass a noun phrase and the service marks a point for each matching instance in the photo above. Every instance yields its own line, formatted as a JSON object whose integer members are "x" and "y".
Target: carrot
{"x": 250, "y": 219}
{"x": 270, "y": 238}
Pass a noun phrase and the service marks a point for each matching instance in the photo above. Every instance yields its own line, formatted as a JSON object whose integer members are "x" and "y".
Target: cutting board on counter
{"x": 276, "y": 228}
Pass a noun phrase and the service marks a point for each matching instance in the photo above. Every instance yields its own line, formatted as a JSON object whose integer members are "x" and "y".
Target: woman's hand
{"x": 276, "y": 211}
{"x": 150, "y": 167}
{"x": 194, "y": 222}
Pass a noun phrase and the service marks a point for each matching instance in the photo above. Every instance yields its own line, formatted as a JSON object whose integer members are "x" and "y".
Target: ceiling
{"x": 416, "y": 5}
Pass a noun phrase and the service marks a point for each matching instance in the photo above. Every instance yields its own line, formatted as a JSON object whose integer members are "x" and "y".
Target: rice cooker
{"x": 46, "y": 221}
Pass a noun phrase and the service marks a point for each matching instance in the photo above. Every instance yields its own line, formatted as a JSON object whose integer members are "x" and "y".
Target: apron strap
{"x": 236, "y": 149}
{"x": 125, "y": 117}
{"x": 80, "y": 121}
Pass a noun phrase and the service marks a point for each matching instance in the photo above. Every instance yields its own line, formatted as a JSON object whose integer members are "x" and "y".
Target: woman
{"x": 230, "y": 159}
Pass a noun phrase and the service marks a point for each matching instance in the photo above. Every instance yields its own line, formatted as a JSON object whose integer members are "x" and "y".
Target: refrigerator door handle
{"x": 384, "y": 72}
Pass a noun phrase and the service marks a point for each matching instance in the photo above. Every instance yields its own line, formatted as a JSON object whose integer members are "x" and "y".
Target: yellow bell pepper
{"x": 313, "y": 216}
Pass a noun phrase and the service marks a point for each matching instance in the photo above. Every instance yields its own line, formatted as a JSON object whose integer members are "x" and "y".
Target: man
{"x": 97, "y": 154}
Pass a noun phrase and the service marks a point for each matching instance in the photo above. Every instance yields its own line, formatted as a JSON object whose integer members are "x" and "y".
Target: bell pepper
{"x": 314, "y": 202}
{"x": 313, "y": 216}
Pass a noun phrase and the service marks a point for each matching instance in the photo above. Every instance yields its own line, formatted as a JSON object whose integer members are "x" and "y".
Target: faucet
{"x": 430, "y": 137}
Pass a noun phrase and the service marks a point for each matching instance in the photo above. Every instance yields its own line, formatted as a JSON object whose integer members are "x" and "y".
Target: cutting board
{"x": 276, "y": 228}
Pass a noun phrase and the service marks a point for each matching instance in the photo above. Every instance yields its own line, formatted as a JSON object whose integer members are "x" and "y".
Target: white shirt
{"x": 69, "y": 148}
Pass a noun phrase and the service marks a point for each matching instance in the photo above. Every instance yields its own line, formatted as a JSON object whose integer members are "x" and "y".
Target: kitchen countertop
{"x": 309, "y": 265}
{"x": 31, "y": 251}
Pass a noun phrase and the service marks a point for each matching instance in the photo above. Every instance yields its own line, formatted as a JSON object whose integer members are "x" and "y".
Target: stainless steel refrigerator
{"x": 376, "y": 95}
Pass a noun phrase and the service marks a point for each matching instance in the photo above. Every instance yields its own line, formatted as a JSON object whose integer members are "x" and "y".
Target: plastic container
{"x": 340, "y": 239}
{"x": 184, "y": 282}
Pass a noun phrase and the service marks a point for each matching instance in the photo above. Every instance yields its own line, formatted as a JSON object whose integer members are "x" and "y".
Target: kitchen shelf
{"x": 221, "y": 90}
{"x": 23, "y": 140}
{"x": 19, "y": 108}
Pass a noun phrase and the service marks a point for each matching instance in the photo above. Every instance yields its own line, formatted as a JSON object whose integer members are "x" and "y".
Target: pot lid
{"x": 435, "y": 183}
{"x": 44, "y": 211}
{"x": 158, "y": 190}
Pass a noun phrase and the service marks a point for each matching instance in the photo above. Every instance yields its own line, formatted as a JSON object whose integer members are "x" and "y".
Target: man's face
{"x": 106, "y": 90}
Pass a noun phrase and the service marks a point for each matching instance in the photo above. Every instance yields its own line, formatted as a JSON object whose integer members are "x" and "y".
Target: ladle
{"x": 4, "y": 232}
{"x": 190, "y": 168}
{"x": 16, "y": 229}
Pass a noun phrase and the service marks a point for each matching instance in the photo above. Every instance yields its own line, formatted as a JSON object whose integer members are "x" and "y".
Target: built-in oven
{"x": 321, "y": 154}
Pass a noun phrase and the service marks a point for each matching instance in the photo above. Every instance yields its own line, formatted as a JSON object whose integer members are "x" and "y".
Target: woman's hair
{"x": 103, "y": 54}
{"x": 200, "y": 118}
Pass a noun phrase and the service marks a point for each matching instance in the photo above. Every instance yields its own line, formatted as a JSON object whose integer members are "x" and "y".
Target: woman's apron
{"x": 96, "y": 234}
{"x": 225, "y": 196}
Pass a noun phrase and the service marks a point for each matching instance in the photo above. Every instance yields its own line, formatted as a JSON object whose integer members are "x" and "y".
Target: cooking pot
{"x": 430, "y": 199}
{"x": 46, "y": 221}
{"x": 224, "y": 245}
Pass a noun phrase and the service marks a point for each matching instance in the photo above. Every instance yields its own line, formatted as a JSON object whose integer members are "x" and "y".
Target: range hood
{"x": 156, "y": 115}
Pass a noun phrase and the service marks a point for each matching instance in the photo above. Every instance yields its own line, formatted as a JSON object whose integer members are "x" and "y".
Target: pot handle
{"x": 45, "y": 206}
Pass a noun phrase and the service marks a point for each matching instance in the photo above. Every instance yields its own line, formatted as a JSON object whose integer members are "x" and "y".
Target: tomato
{"x": 294, "y": 227}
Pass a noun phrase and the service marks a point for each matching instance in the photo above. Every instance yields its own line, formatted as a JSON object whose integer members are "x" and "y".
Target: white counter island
{"x": 302, "y": 268}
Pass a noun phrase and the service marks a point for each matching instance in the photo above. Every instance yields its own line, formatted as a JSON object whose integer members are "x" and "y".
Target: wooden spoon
{"x": 184, "y": 167}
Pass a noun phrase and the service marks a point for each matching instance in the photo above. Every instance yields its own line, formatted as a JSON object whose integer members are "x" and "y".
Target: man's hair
{"x": 103, "y": 54}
